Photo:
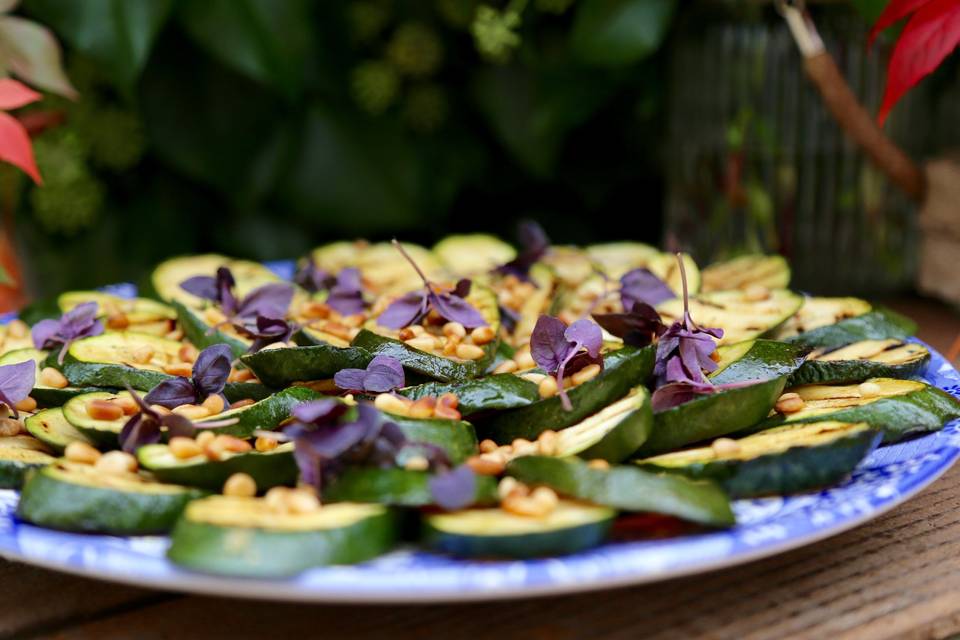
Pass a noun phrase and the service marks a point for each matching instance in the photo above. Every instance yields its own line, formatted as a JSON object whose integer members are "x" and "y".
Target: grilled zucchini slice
{"x": 18, "y": 456}
{"x": 861, "y": 360}
{"x": 382, "y": 267}
{"x": 835, "y": 322}
{"x": 743, "y": 272}
{"x": 473, "y": 254}
{"x": 168, "y": 275}
{"x": 736, "y": 312}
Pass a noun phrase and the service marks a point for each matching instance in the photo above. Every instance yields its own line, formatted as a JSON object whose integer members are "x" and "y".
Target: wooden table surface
{"x": 896, "y": 577}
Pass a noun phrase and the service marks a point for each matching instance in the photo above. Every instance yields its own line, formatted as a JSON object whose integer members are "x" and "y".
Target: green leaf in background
{"x": 870, "y": 9}
{"x": 265, "y": 40}
{"x": 31, "y": 52}
{"x": 117, "y": 34}
{"x": 619, "y": 32}
{"x": 5, "y": 278}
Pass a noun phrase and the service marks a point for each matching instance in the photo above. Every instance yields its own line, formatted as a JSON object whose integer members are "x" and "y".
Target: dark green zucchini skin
{"x": 897, "y": 417}
{"x": 267, "y": 414}
{"x": 109, "y": 375}
{"x": 493, "y": 393}
{"x": 262, "y": 553}
{"x": 52, "y": 397}
{"x": 711, "y": 416}
{"x": 56, "y": 504}
{"x": 795, "y": 470}
{"x": 201, "y": 334}
{"x": 267, "y": 469}
{"x": 280, "y": 367}
{"x": 234, "y": 391}
{"x": 623, "y": 369}
{"x": 13, "y": 473}
{"x": 849, "y": 371}
{"x": 628, "y": 488}
{"x": 764, "y": 360}
{"x": 456, "y": 437}
{"x": 396, "y": 487}
{"x": 878, "y": 324}
{"x": 427, "y": 364}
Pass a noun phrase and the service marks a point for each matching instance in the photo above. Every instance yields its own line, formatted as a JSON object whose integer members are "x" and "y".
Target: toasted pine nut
{"x": 176, "y": 334}
{"x": 509, "y": 486}
{"x": 314, "y": 310}
{"x": 17, "y": 328}
{"x": 240, "y": 485}
{"x": 263, "y": 443}
{"x": 507, "y": 366}
{"x": 104, "y": 410}
{"x": 454, "y": 329}
{"x": 423, "y": 343}
{"x": 407, "y": 333}
{"x": 205, "y": 437}
{"x": 241, "y": 375}
{"x": 445, "y": 412}
{"x": 485, "y": 466}
{"x": 546, "y": 497}
{"x": 548, "y": 387}
{"x": 589, "y": 372}
{"x": 725, "y": 447}
{"x": 869, "y": 389}
{"x": 524, "y": 359}
{"x": 449, "y": 400}
{"x": 245, "y": 402}
{"x": 547, "y": 441}
{"x": 392, "y": 404}
{"x": 483, "y": 335}
{"x": 188, "y": 353}
{"x": 81, "y": 452}
{"x": 183, "y": 448}
{"x": 50, "y": 377}
{"x": 214, "y": 404}
{"x": 118, "y": 321}
{"x": 535, "y": 378}
{"x": 417, "y": 463}
{"x": 142, "y": 354}
{"x": 300, "y": 501}
{"x": 469, "y": 352}
{"x": 232, "y": 444}
{"x": 789, "y": 403}
{"x": 182, "y": 369}
{"x": 192, "y": 411}
{"x": 422, "y": 408}
{"x": 10, "y": 427}
{"x": 521, "y": 505}
{"x": 127, "y": 404}
{"x": 276, "y": 499}
{"x": 599, "y": 464}
{"x": 488, "y": 446}
{"x": 116, "y": 463}
{"x": 27, "y": 404}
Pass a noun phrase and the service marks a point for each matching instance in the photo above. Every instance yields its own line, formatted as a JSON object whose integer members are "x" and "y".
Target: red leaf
{"x": 896, "y": 11}
{"x": 929, "y": 37}
{"x": 14, "y": 94}
{"x": 15, "y": 146}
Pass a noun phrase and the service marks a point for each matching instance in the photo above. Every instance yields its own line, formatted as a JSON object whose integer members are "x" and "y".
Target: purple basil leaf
{"x": 346, "y": 295}
{"x": 455, "y": 309}
{"x": 44, "y": 331}
{"x": 319, "y": 411}
{"x": 548, "y": 346}
{"x": 172, "y": 393}
{"x": 534, "y": 244}
{"x": 211, "y": 370}
{"x": 178, "y": 426}
{"x": 79, "y": 322}
{"x": 676, "y": 393}
{"x": 203, "y": 287}
{"x": 641, "y": 285}
{"x": 462, "y": 288}
{"x": 16, "y": 382}
{"x": 636, "y": 327}
{"x": 138, "y": 431}
{"x": 383, "y": 374}
{"x": 271, "y": 300}
{"x": 350, "y": 379}
{"x": 331, "y": 441}
{"x": 404, "y": 311}
{"x": 308, "y": 462}
{"x": 456, "y": 489}
{"x": 585, "y": 334}
{"x": 313, "y": 278}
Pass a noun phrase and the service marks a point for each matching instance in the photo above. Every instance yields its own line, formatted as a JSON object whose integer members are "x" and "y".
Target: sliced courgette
{"x": 897, "y": 408}
{"x": 168, "y": 276}
{"x": 623, "y": 369}
{"x": 756, "y": 360}
{"x": 739, "y": 315}
{"x": 54, "y": 430}
{"x": 119, "y": 359}
{"x": 473, "y": 254}
{"x": 280, "y": 367}
{"x": 396, "y": 487}
{"x": 245, "y": 537}
{"x": 268, "y": 468}
{"x": 266, "y": 414}
{"x": 382, "y": 267}
{"x": 78, "y": 497}
{"x": 202, "y": 334}
{"x": 781, "y": 460}
{"x": 18, "y": 456}
{"x": 743, "y": 272}
{"x": 861, "y": 360}
{"x": 611, "y": 434}
{"x": 491, "y": 393}
{"x": 616, "y": 258}
{"x": 102, "y": 433}
{"x": 627, "y": 488}
{"x": 493, "y": 532}
{"x": 44, "y": 395}
{"x": 835, "y": 322}
{"x": 142, "y": 314}
{"x": 456, "y": 437}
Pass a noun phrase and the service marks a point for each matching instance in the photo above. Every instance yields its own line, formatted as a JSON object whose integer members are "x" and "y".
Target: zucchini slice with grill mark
{"x": 78, "y": 497}
{"x": 396, "y": 487}
{"x": 53, "y": 429}
{"x": 245, "y": 537}
{"x": 628, "y": 488}
{"x": 382, "y": 267}
{"x": 109, "y": 360}
{"x": 168, "y": 275}
{"x": 616, "y": 258}
{"x": 781, "y": 460}
{"x": 493, "y": 532}
{"x": 18, "y": 456}
{"x": 835, "y": 322}
{"x": 611, "y": 434}
{"x": 623, "y": 369}
{"x": 743, "y": 272}
{"x": 861, "y": 360}
{"x": 740, "y": 317}
{"x": 267, "y": 468}
{"x": 491, "y": 393}
{"x": 571, "y": 265}
{"x": 44, "y": 395}
{"x": 101, "y": 433}
{"x": 472, "y": 255}
{"x": 281, "y": 367}
{"x": 756, "y": 360}
{"x": 897, "y": 408}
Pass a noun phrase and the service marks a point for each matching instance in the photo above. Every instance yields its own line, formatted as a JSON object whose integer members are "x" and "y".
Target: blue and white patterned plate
{"x": 765, "y": 527}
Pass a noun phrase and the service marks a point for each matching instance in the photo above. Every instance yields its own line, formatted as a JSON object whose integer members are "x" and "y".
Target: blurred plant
{"x": 495, "y": 31}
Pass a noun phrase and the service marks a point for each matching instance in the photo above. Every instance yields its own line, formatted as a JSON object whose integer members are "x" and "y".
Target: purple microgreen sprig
{"x": 413, "y": 307}
{"x": 312, "y": 278}
{"x": 146, "y": 426}
{"x": 561, "y": 350}
{"x": 16, "y": 382}
{"x": 637, "y": 327}
{"x": 382, "y": 375}
{"x": 674, "y": 394}
{"x": 455, "y": 488}
{"x": 344, "y": 290}
{"x": 264, "y": 330}
{"x": 271, "y": 300}
{"x": 534, "y": 244}
{"x": 79, "y": 322}
{"x": 208, "y": 378}
{"x": 641, "y": 285}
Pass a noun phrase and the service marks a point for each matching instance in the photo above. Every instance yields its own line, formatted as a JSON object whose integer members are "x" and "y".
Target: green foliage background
{"x": 264, "y": 127}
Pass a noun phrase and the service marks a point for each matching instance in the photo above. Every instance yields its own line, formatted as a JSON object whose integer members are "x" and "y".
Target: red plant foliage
{"x": 14, "y": 140}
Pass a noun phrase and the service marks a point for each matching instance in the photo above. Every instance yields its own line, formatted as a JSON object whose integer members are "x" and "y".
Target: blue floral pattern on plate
{"x": 765, "y": 526}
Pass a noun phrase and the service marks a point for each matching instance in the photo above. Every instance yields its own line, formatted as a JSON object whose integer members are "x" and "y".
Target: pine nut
{"x": 275, "y": 345}
{"x": 205, "y": 437}
{"x": 176, "y": 335}
{"x": 118, "y": 321}
{"x": 488, "y": 446}
{"x": 392, "y": 404}
{"x": 116, "y": 463}
{"x": 509, "y": 486}
{"x": 546, "y": 497}
{"x": 182, "y": 369}
{"x": 535, "y": 378}
{"x": 355, "y": 320}
{"x": 17, "y": 328}
{"x": 183, "y": 448}
{"x": 50, "y": 377}
{"x": 422, "y": 408}
{"x": 450, "y": 345}
{"x": 423, "y": 343}
{"x": 192, "y": 411}
{"x": 142, "y": 354}
{"x": 507, "y": 366}
{"x": 408, "y": 333}
{"x": 869, "y": 389}
{"x": 299, "y": 501}
{"x": 725, "y": 447}
{"x": 445, "y": 412}
{"x": 547, "y": 442}
{"x": 450, "y": 400}
{"x": 159, "y": 408}
{"x": 214, "y": 404}
{"x": 81, "y": 452}
{"x": 599, "y": 464}
{"x": 483, "y": 335}
{"x": 127, "y": 404}
{"x": 188, "y": 353}
{"x": 524, "y": 359}
{"x": 454, "y": 329}
{"x": 10, "y": 427}
{"x": 469, "y": 352}
{"x": 263, "y": 444}
{"x": 789, "y": 403}
{"x": 232, "y": 444}
{"x": 485, "y": 466}
{"x": 315, "y": 310}
{"x": 756, "y": 293}
{"x": 548, "y": 387}
{"x": 527, "y": 506}
{"x": 240, "y": 375}
{"x": 104, "y": 410}
{"x": 416, "y": 463}
{"x": 240, "y": 485}
{"x": 276, "y": 499}
{"x": 245, "y": 402}
{"x": 586, "y": 374}
{"x": 28, "y": 404}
